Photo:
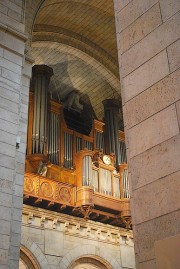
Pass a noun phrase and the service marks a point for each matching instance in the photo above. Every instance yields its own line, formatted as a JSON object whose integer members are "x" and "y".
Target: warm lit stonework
{"x": 89, "y": 122}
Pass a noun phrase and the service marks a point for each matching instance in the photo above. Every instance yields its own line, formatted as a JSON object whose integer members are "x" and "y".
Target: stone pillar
{"x": 148, "y": 35}
{"x": 15, "y": 73}
{"x": 111, "y": 112}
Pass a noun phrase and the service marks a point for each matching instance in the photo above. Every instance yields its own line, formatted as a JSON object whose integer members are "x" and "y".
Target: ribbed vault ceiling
{"x": 77, "y": 39}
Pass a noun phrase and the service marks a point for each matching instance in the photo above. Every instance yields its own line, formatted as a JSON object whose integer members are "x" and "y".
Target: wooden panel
{"x": 107, "y": 202}
{"x": 48, "y": 190}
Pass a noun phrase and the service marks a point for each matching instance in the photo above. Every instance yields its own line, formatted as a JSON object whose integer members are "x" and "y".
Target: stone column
{"x": 15, "y": 73}
{"x": 148, "y": 35}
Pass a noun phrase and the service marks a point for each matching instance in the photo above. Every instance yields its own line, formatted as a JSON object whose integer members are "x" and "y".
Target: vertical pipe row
{"x": 40, "y": 81}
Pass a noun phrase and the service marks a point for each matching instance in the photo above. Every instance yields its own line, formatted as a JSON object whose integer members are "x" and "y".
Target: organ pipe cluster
{"x": 40, "y": 84}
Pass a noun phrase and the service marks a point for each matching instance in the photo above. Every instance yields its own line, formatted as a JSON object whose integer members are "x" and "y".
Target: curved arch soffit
{"x": 108, "y": 76}
{"x": 28, "y": 258}
{"x": 38, "y": 4}
{"x": 35, "y": 251}
{"x": 88, "y": 251}
{"x": 57, "y": 34}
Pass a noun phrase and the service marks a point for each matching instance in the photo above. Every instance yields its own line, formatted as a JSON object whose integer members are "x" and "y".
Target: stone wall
{"x": 57, "y": 240}
{"x": 15, "y": 72}
{"x": 148, "y": 35}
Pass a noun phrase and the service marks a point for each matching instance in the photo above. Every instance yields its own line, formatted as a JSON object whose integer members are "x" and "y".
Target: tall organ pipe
{"x": 111, "y": 111}
{"x": 40, "y": 82}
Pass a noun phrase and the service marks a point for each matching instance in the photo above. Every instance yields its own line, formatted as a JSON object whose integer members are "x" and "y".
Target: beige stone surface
{"x": 158, "y": 198}
{"x": 155, "y": 163}
{"x": 147, "y": 265}
{"x": 153, "y": 131}
{"x": 140, "y": 28}
{"x": 174, "y": 55}
{"x": 134, "y": 10}
{"x": 178, "y": 111}
{"x": 169, "y": 8}
{"x": 127, "y": 256}
{"x": 145, "y": 76}
{"x": 54, "y": 243}
{"x": 160, "y": 95}
{"x": 150, "y": 231}
{"x": 167, "y": 252}
{"x": 120, "y": 4}
{"x": 152, "y": 44}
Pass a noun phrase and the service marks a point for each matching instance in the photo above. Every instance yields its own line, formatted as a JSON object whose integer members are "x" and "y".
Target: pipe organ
{"x": 66, "y": 170}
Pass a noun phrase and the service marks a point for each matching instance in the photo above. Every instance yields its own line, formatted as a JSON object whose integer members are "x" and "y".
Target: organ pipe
{"x": 40, "y": 83}
{"x": 53, "y": 138}
{"x": 111, "y": 111}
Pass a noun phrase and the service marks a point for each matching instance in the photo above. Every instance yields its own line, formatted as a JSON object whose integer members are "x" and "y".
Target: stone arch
{"x": 32, "y": 248}
{"x": 28, "y": 258}
{"x": 102, "y": 69}
{"x": 88, "y": 251}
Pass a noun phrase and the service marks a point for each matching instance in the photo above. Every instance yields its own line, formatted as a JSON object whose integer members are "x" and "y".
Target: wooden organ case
{"x": 69, "y": 171}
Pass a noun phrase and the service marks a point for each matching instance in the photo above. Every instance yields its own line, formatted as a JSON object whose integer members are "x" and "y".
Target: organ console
{"x": 70, "y": 171}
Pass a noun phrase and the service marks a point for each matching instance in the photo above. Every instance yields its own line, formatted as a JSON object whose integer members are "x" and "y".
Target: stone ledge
{"x": 12, "y": 31}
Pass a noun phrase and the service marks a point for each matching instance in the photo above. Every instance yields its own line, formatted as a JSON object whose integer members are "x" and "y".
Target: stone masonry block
{"x": 5, "y": 213}
{"x": 167, "y": 252}
{"x": 120, "y": 4}
{"x": 10, "y": 75}
{"x": 9, "y": 94}
{"x": 4, "y": 227}
{"x": 162, "y": 37}
{"x": 11, "y": 42}
{"x": 3, "y": 258}
{"x": 6, "y": 173}
{"x": 155, "y": 163}
{"x": 147, "y": 264}
{"x": 8, "y": 126}
{"x": 6, "y": 186}
{"x": 8, "y": 116}
{"x": 174, "y": 55}
{"x": 11, "y": 66}
{"x": 54, "y": 243}
{"x": 11, "y": 22}
{"x": 7, "y": 149}
{"x": 178, "y": 111}
{"x": 140, "y": 28}
{"x": 13, "y": 57}
{"x": 7, "y": 138}
{"x": 133, "y": 10}
{"x": 145, "y": 234}
{"x": 169, "y": 8}
{"x": 153, "y": 131}
{"x": 158, "y": 198}
{"x": 154, "y": 99}
{"x": 7, "y": 161}
{"x": 9, "y": 105}
{"x": 145, "y": 76}
{"x": 4, "y": 241}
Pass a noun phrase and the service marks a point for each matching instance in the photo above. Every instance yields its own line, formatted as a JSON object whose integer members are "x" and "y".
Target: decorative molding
{"x": 74, "y": 226}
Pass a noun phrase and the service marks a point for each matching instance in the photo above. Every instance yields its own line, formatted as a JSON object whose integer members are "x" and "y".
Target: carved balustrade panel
{"x": 48, "y": 189}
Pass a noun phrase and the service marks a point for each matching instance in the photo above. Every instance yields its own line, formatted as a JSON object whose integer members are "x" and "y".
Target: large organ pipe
{"x": 40, "y": 83}
{"x": 111, "y": 109}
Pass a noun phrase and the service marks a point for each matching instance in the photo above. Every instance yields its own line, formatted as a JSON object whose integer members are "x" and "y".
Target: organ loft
{"x": 75, "y": 163}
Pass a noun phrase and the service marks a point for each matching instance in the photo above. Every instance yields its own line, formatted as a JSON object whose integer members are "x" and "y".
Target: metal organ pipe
{"x": 40, "y": 83}
{"x": 111, "y": 109}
